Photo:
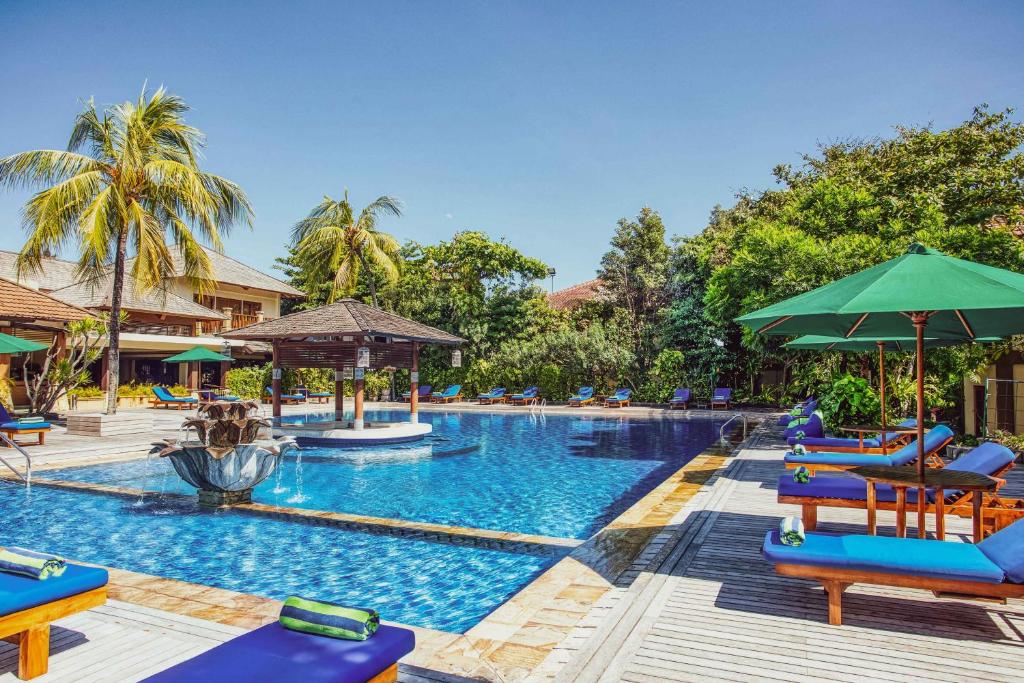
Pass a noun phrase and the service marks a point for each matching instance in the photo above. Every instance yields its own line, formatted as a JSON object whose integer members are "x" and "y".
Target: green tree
{"x": 335, "y": 245}
{"x": 128, "y": 179}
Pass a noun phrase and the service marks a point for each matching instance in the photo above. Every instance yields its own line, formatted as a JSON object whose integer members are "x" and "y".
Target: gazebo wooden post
{"x": 414, "y": 384}
{"x": 357, "y": 421}
{"x": 275, "y": 380}
{"x": 339, "y": 394}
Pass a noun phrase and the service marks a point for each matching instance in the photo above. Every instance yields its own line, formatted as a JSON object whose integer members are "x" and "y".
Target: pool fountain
{"x": 228, "y": 458}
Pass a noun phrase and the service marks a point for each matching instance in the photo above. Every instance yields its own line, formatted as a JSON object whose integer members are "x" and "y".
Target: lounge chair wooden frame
{"x": 177, "y": 405}
{"x": 836, "y": 581}
{"x": 931, "y": 459}
{"x": 892, "y": 445}
{"x": 40, "y": 433}
{"x": 320, "y": 399}
{"x": 491, "y": 400}
{"x": 726, "y": 404}
{"x": 611, "y": 402}
{"x": 580, "y": 402}
{"x": 446, "y": 399}
{"x": 523, "y": 401}
{"x": 962, "y": 506}
{"x": 684, "y": 405}
{"x": 30, "y": 628}
{"x": 284, "y": 399}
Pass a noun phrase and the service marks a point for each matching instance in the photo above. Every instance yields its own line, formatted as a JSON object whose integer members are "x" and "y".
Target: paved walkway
{"x": 713, "y": 609}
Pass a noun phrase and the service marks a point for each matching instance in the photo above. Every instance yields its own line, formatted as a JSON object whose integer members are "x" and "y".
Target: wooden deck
{"x": 713, "y": 609}
{"x": 122, "y": 643}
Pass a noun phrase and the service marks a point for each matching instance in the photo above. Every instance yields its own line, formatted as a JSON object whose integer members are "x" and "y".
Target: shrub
{"x": 850, "y": 400}
{"x": 87, "y": 391}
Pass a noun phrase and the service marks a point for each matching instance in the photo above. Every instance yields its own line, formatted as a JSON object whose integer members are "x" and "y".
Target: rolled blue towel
{"x": 801, "y": 475}
{"x": 329, "y": 619}
{"x": 791, "y": 531}
{"x": 29, "y": 563}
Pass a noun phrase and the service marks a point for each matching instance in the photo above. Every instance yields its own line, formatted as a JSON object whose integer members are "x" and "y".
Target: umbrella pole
{"x": 920, "y": 320}
{"x": 881, "y": 392}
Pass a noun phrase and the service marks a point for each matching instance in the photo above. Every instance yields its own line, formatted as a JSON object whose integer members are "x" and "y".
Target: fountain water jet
{"x": 229, "y": 459}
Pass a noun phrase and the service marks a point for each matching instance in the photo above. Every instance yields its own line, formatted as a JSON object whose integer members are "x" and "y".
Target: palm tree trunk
{"x": 114, "y": 324}
{"x": 370, "y": 281}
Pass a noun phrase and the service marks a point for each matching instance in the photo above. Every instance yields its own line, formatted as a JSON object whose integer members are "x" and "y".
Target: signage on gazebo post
{"x": 456, "y": 358}
{"x": 363, "y": 357}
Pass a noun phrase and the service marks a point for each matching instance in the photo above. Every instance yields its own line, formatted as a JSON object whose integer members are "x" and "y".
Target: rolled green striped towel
{"x": 329, "y": 619}
{"x": 791, "y": 531}
{"x": 799, "y": 449}
{"x": 30, "y": 420}
{"x": 14, "y": 560}
{"x": 801, "y": 475}
{"x": 800, "y": 435}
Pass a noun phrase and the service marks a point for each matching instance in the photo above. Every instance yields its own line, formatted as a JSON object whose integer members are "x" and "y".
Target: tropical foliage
{"x": 128, "y": 183}
{"x": 64, "y": 368}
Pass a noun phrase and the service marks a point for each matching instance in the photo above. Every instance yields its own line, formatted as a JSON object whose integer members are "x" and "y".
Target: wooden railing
{"x": 158, "y": 328}
{"x": 239, "y": 320}
{"x": 211, "y": 326}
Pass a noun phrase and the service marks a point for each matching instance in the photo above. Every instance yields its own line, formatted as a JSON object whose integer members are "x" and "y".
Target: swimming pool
{"x": 563, "y": 476}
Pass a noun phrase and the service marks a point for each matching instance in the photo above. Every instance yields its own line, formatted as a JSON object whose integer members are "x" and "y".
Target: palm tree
{"x": 128, "y": 180}
{"x": 332, "y": 243}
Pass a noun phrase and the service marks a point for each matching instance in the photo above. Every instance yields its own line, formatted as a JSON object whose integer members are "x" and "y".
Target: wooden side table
{"x": 937, "y": 480}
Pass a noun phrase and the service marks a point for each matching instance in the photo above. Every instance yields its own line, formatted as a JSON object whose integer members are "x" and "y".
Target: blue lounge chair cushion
{"x": 273, "y": 654}
{"x": 528, "y": 392}
{"x": 888, "y": 555}
{"x": 321, "y": 394}
{"x": 164, "y": 395}
{"x": 843, "y": 488}
{"x": 904, "y": 456}
{"x": 620, "y": 395}
{"x": 22, "y": 592}
{"x": 831, "y": 441}
{"x": 722, "y": 395}
{"x": 812, "y": 426}
{"x": 15, "y": 426}
{"x": 1006, "y": 549}
{"x": 680, "y": 396}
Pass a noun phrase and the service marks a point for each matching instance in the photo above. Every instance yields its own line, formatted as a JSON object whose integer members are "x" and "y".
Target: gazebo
{"x": 345, "y": 335}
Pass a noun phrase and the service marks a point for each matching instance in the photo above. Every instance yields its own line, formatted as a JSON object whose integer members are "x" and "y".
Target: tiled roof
{"x": 97, "y": 295}
{"x": 345, "y": 317}
{"x": 232, "y": 272}
{"x": 54, "y": 274}
{"x": 570, "y": 297}
{"x": 22, "y": 303}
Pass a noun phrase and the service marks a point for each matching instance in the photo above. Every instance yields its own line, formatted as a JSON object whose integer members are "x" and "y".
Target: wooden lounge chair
{"x": 12, "y": 428}
{"x": 162, "y": 398}
{"x": 449, "y": 395}
{"x": 680, "y": 399}
{"x": 423, "y": 393}
{"x": 934, "y": 441}
{"x": 619, "y": 400}
{"x": 584, "y": 397}
{"x": 495, "y": 395}
{"x": 272, "y": 654}
{"x": 992, "y": 569}
{"x": 722, "y": 397}
{"x": 27, "y": 606}
{"x": 268, "y": 397}
{"x": 529, "y": 395}
{"x": 840, "y": 491}
{"x": 831, "y": 444}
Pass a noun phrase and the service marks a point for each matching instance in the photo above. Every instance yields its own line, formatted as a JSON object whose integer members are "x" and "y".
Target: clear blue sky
{"x": 542, "y": 122}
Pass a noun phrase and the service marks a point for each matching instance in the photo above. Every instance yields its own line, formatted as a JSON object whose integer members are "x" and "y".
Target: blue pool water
{"x": 435, "y": 585}
{"x": 557, "y": 476}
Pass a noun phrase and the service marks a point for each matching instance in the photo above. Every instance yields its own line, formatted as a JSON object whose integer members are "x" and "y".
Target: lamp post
{"x": 551, "y": 274}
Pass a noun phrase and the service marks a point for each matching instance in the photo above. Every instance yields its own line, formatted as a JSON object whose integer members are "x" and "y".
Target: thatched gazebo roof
{"x": 328, "y": 336}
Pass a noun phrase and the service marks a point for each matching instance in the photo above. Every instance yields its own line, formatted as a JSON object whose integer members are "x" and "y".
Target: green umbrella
{"x": 198, "y": 354}
{"x": 952, "y": 298}
{"x": 9, "y": 344}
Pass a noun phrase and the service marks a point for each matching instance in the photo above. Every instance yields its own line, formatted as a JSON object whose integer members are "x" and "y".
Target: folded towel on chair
{"x": 329, "y": 619}
{"x": 14, "y": 560}
{"x": 30, "y": 420}
{"x": 802, "y": 475}
{"x": 791, "y": 531}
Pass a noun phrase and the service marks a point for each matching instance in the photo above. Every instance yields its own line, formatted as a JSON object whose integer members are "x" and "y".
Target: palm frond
{"x": 44, "y": 167}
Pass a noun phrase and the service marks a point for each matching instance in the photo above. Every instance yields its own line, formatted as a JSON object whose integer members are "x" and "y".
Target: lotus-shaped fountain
{"x": 227, "y": 459}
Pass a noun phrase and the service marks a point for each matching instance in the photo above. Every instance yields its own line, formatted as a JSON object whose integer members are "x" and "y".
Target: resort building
{"x": 573, "y": 297}
{"x": 996, "y": 402}
{"x": 169, "y": 320}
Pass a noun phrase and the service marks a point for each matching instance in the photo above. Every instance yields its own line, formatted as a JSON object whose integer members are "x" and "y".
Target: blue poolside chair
{"x": 680, "y": 399}
{"x": 28, "y": 605}
{"x": 13, "y": 427}
{"x": 495, "y": 395}
{"x": 843, "y": 445}
{"x": 619, "y": 400}
{"x": 285, "y": 398}
{"x": 452, "y": 393}
{"x": 812, "y": 426}
{"x": 993, "y": 568}
{"x": 843, "y": 491}
{"x": 422, "y": 393}
{"x": 722, "y": 397}
{"x": 934, "y": 441}
{"x": 583, "y": 397}
{"x": 164, "y": 398}
{"x": 226, "y": 397}
{"x": 314, "y": 396}
{"x": 804, "y": 409}
{"x": 272, "y": 654}
{"x": 529, "y": 395}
